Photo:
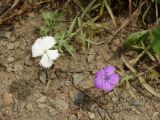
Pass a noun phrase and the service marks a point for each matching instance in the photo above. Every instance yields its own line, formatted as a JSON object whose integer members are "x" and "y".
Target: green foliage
{"x": 155, "y": 40}
{"x": 53, "y": 26}
{"x": 52, "y": 22}
{"x": 96, "y": 5}
{"x": 151, "y": 6}
{"x": 137, "y": 37}
{"x": 150, "y": 38}
{"x": 63, "y": 39}
{"x": 81, "y": 29}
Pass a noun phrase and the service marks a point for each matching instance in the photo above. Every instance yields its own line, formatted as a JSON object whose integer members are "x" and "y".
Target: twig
{"x": 14, "y": 4}
{"x": 48, "y": 81}
{"x": 103, "y": 118}
{"x": 21, "y": 11}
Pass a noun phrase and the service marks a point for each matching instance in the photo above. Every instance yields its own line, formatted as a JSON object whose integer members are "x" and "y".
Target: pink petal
{"x": 107, "y": 87}
{"x": 98, "y": 83}
{"x": 110, "y": 69}
{"x": 114, "y": 79}
{"x": 100, "y": 74}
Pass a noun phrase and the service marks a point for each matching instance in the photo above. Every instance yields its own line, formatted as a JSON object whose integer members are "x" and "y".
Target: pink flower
{"x": 107, "y": 78}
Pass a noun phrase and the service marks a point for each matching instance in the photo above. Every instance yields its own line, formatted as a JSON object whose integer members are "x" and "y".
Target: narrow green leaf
{"x": 145, "y": 13}
{"x": 110, "y": 11}
{"x": 88, "y": 8}
{"x": 142, "y": 81}
{"x": 72, "y": 26}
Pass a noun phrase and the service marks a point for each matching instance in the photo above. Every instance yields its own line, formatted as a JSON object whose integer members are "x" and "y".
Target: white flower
{"x": 42, "y": 47}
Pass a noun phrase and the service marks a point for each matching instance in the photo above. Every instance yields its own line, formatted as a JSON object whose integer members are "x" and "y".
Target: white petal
{"x": 53, "y": 54}
{"x": 42, "y": 44}
{"x": 37, "y": 49}
{"x": 48, "y": 42}
{"x": 46, "y": 62}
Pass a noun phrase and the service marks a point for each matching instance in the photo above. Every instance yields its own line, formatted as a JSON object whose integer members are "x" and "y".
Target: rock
{"x": 102, "y": 112}
{"x": 15, "y": 107}
{"x": 42, "y": 106}
{"x": 135, "y": 103}
{"x": 41, "y": 99}
{"x": 7, "y": 99}
{"x": 77, "y": 78}
{"x": 73, "y": 117}
{"x": 90, "y": 58}
{"x": 10, "y": 46}
{"x": 18, "y": 67}
{"x": 10, "y": 59}
{"x": 43, "y": 77}
{"x": 4, "y": 44}
{"x": 30, "y": 107}
{"x": 16, "y": 44}
{"x": 8, "y": 34}
{"x": 13, "y": 38}
{"x": 91, "y": 115}
{"x": 135, "y": 110}
{"x": 61, "y": 104}
{"x": 72, "y": 95}
{"x": 156, "y": 116}
{"x": 23, "y": 46}
{"x": 91, "y": 55}
{"x": 53, "y": 75}
{"x": 28, "y": 61}
{"x": 86, "y": 84}
{"x": 52, "y": 111}
{"x": 79, "y": 98}
{"x": 114, "y": 99}
{"x": 10, "y": 68}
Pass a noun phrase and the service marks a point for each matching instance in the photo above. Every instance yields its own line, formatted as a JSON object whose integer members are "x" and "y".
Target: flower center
{"x": 107, "y": 77}
{"x": 44, "y": 51}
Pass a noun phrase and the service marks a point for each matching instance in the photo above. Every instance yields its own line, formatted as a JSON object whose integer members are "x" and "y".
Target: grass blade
{"x": 110, "y": 11}
{"x": 72, "y": 26}
{"x": 88, "y": 8}
{"x": 142, "y": 81}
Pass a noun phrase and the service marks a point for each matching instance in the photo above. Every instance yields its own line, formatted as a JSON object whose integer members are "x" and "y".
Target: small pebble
{"x": 135, "y": 103}
{"x": 79, "y": 98}
{"x": 61, "y": 104}
{"x": 91, "y": 115}
{"x": 30, "y": 107}
{"x": 102, "y": 112}
{"x": 73, "y": 117}
{"x": 10, "y": 46}
{"x": 156, "y": 116}
{"x": 52, "y": 111}
{"x": 43, "y": 77}
{"x": 28, "y": 61}
{"x": 18, "y": 67}
{"x": 15, "y": 106}
{"x": 7, "y": 99}
{"x": 16, "y": 44}
{"x": 114, "y": 99}
{"x": 10, "y": 59}
{"x": 42, "y": 106}
{"x": 23, "y": 46}
{"x": 86, "y": 84}
{"x": 41, "y": 99}
{"x": 77, "y": 78}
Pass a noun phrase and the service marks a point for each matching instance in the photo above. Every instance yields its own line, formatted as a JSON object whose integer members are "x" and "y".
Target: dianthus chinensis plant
{"x": 80, "y": 29}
